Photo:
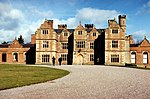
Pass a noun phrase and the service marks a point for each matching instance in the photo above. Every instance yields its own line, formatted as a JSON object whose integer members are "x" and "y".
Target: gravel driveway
{"x": 88, "y": 82}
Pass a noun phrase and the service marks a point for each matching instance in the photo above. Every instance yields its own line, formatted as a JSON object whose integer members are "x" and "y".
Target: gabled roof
{"x": 58, "y": 31}
{"x": 145, "y": 42}
{"x": 16, "y": 44}
{"x": 71, "y": 30}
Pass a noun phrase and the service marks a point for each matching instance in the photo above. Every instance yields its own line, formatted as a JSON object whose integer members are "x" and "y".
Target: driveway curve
{"x": 88, "y": 82}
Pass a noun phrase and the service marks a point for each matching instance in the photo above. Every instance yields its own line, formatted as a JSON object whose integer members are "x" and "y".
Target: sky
{"x": 23, "y": 17}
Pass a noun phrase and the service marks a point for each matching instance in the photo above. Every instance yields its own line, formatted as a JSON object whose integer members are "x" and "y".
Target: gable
{"x": 15, "y": 44}
{"x": 80, "y": 27}
{"x": 144, "y": 43}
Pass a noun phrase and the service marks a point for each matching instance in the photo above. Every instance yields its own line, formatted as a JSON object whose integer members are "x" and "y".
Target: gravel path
{"x": 88, "y": 82}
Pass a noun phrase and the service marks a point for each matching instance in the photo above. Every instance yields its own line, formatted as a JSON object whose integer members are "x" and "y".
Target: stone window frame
{"x": 64, "y": 45}
{"x": 45, "y": 58}
{"x": 65, "y": 34}
{"x": 79, "y": 32}
{"x": 64, "y": 57}
{"x": 94, "y": 33}
{"x": 91, "y": 57}
{"x": 115, "y": 43}
{"x": 80, "y": 44}
{"x": 45, "y": 44}
{"x": 45, "y": 31}
{"x": 115, "y": 58}
{"x": 91, "y": 45}
{"x": 114, "y": 31}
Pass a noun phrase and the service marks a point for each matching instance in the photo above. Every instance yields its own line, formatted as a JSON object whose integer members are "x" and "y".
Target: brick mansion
{"x": 81, "y": 45}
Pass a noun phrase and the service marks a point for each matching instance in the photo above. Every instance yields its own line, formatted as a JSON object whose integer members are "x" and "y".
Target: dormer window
{"x": 94, "y": 34}
{"x": 114, "y": 31}
{"x": 79, "y": 32}
{"x": 65, "y": 34}
{"x": 45, "y": 31}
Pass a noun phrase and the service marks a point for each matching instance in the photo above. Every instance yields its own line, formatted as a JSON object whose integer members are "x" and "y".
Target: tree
{"x": 4, "y": 42}
{"x": 21, "y": 40}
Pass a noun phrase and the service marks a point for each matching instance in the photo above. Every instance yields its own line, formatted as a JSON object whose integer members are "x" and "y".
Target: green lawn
{"x": 20, "y": 75}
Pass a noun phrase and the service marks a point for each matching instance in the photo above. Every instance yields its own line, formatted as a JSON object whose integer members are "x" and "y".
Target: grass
{"x": 19, "y": 75}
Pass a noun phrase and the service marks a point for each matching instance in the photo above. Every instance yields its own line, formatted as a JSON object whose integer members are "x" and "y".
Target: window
{"x": 4, "y": 57}
{"x": 45, "y": 58}
{"x": 133, "y": 58}
{"x": 79, "y": 32}
{"x": 92, "y": 45}
{"x": 45, "y": 44}
{"x": 15, "y": 56}
{"x": 45, "y": 31}
{"x": 64, "y": 57}
{"x": 145, "y": 57}
{"x": 65, "y": 34}
{"x": 94, "y": 34}
{"x": 114, "y": 58}
{"x": 91, "y": 57}
{"x": 114, "y": 44}
{"x": 64, "y": 45}
{"x": 80, "y": 44}
{"x": 114, "y": 31}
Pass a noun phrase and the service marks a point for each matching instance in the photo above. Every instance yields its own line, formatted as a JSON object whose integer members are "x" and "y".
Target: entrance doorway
{"x": 80, "y": 59}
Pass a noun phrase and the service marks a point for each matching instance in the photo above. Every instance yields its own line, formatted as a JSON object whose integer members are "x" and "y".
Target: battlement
{"x": 89, "y": 26}
{"x": 62, "y": 26}
{"x": 122, "y": 16}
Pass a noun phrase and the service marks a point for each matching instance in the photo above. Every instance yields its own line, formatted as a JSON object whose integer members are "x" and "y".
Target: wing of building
{"x": 81, "y": 45}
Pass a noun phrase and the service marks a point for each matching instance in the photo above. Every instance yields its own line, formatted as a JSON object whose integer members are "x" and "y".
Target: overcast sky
{"x": 23, "y": 17}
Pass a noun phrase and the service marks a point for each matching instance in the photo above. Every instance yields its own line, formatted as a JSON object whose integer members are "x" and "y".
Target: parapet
{"x": 62, "y": 26}
{"x": 89, "y": 26}
{"x": 122, "y": 16}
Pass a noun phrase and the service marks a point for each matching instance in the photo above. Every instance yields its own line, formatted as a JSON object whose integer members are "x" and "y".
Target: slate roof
{"x": 134, "y": 45}
{"x": 58, "y": 31}
{"x": 4, "y": 45}
{"x": 28, "y": 45}
{"x": 24, "y": 45}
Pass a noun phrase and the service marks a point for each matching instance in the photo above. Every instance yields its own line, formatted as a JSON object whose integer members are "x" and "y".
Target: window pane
{"x": 114, "y": 31}
{"x": 80, "y": 44}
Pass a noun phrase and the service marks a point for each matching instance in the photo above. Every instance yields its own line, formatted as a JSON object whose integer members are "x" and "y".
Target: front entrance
{"x": 79, "y": 59}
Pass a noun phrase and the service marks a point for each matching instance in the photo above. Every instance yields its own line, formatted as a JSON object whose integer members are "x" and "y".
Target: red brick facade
{"x": 139, "y": 53}
{"x": 16, "y": 53}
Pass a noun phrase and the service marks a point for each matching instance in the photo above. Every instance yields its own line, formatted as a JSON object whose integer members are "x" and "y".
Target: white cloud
{"x": 41, "y": 14}
{"x": 15, "y": 22}
{"x": 96, "y": 16}
{"x": 9, "y": 18}
{"x": 89, "y": 15}
{"x": 139, "y": 35}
